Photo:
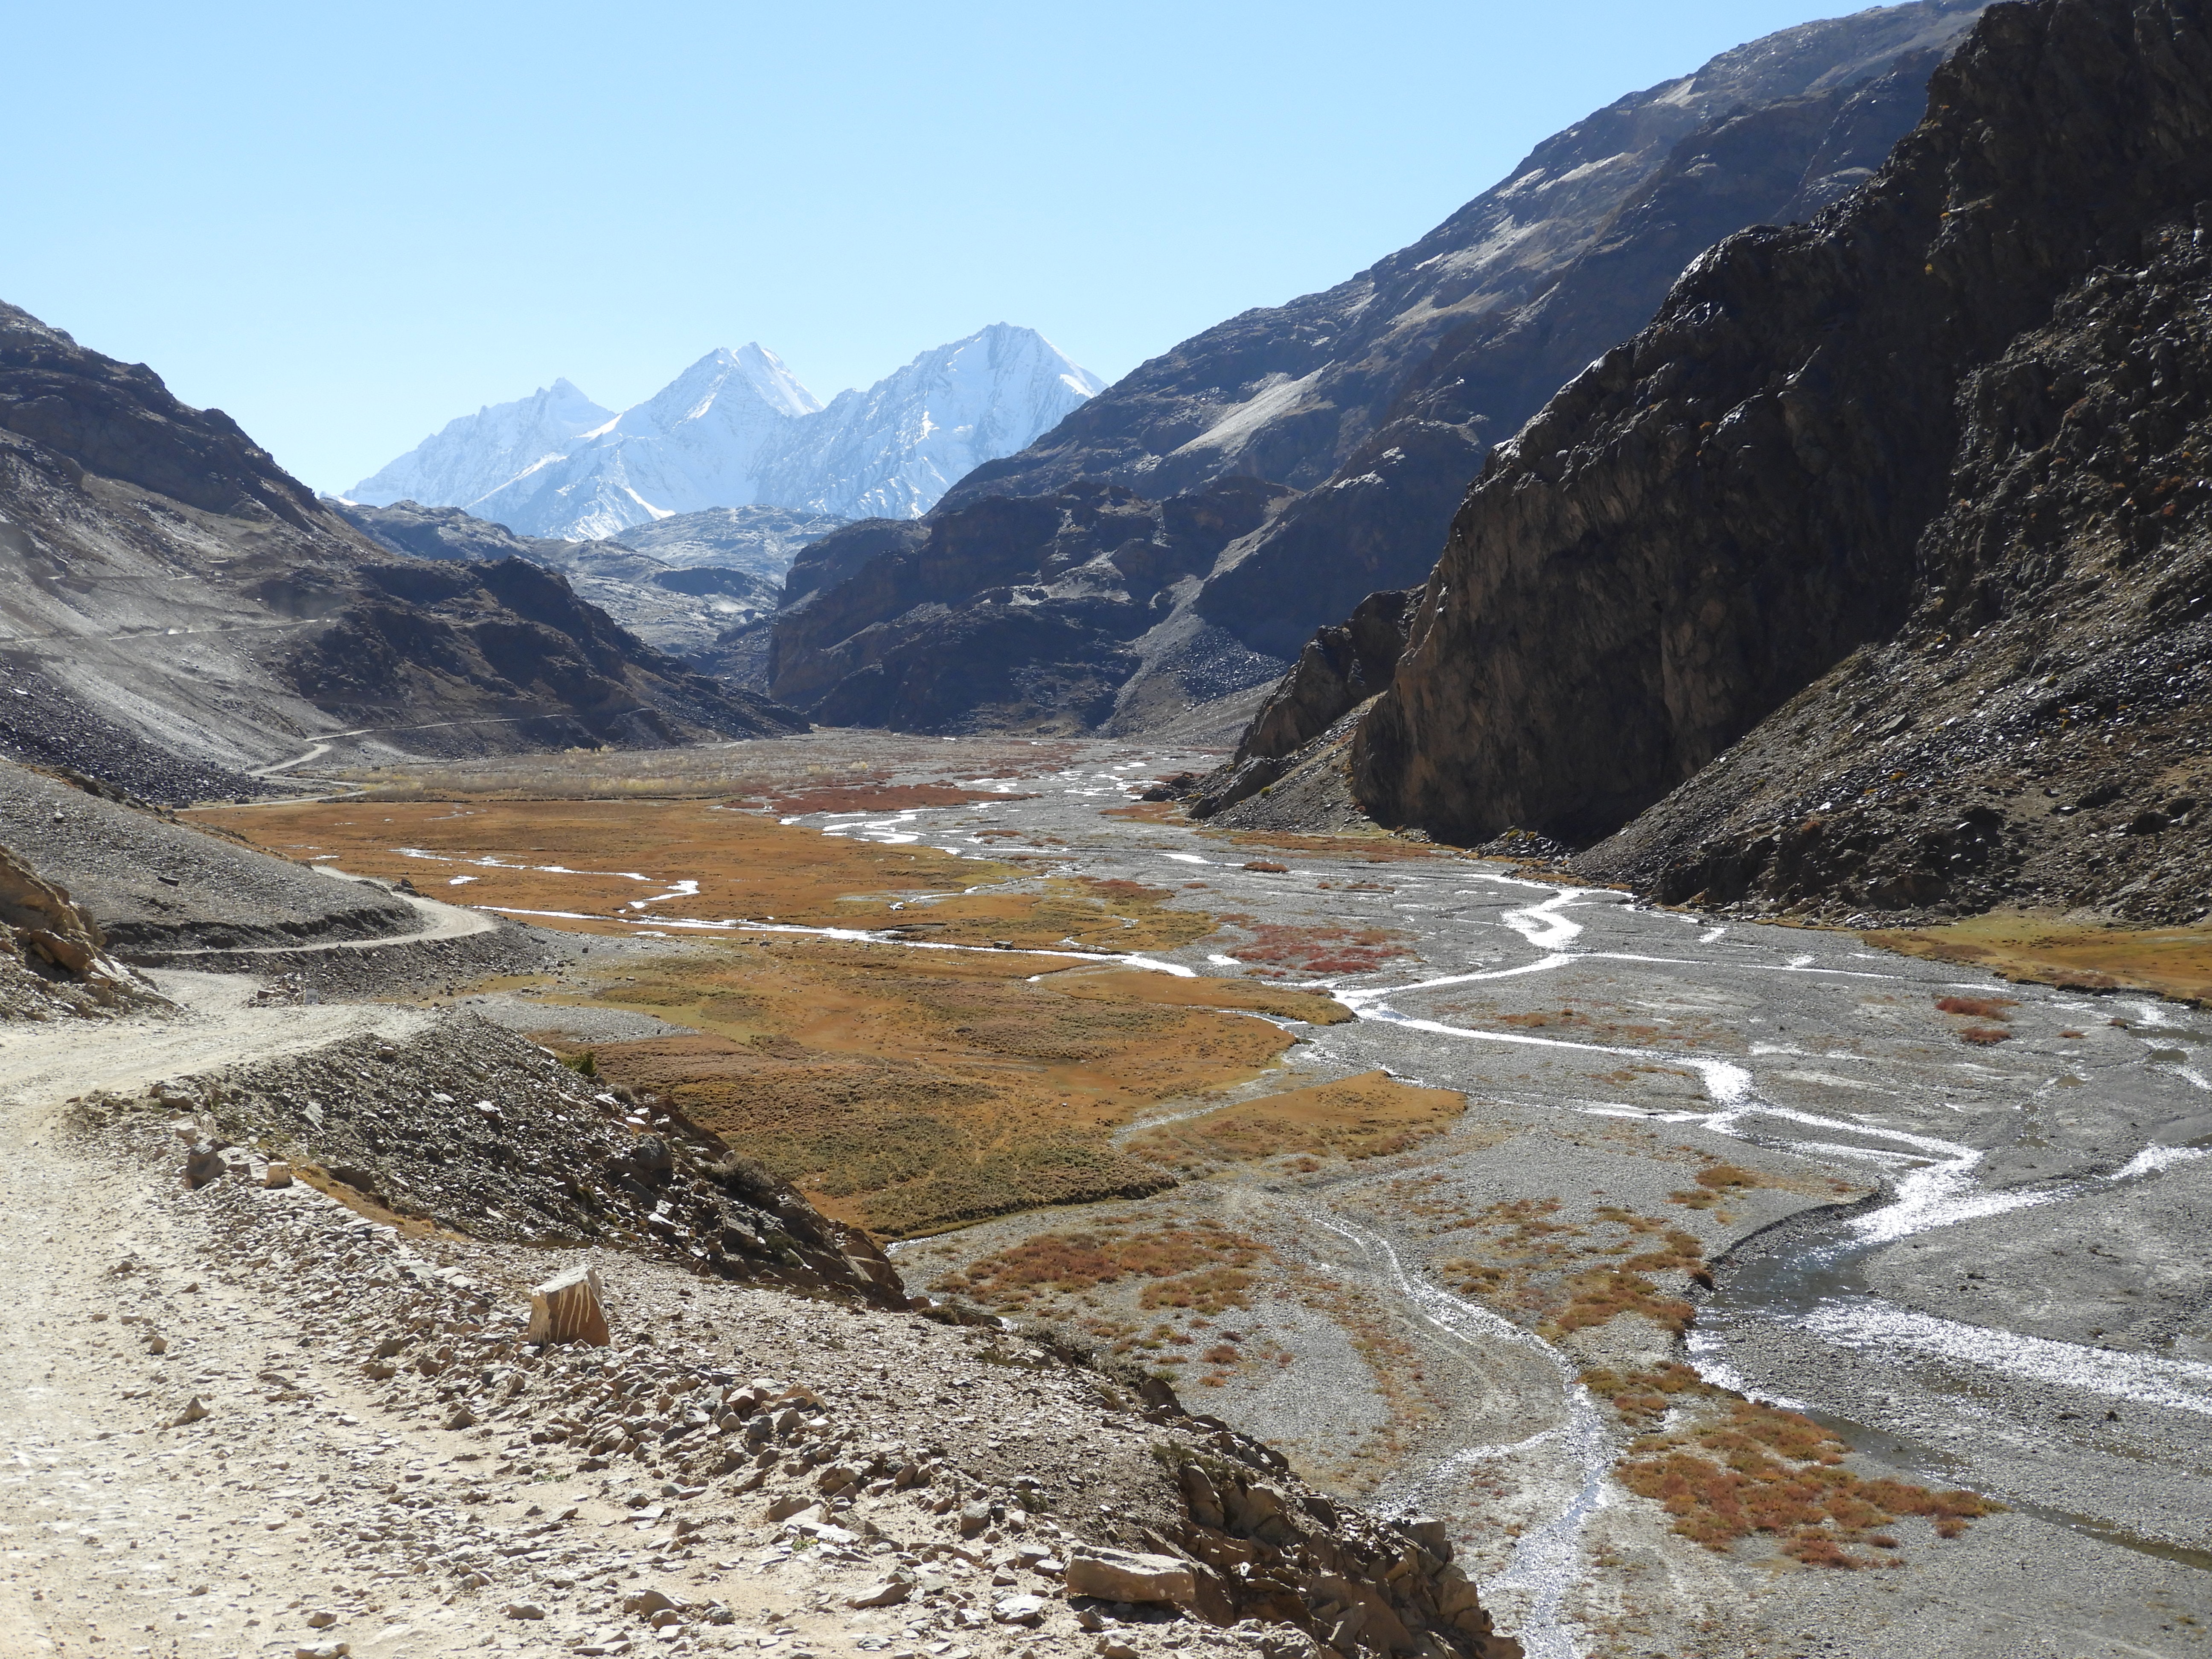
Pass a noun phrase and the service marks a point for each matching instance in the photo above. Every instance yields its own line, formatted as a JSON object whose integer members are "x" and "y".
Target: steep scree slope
{"x": 1728, "y": 505}
{"x": 1379, "y": 398}
{"x": 164, "y": 578}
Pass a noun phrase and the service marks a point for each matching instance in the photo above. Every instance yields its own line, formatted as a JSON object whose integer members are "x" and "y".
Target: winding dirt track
{"x": 108, "y": 1533}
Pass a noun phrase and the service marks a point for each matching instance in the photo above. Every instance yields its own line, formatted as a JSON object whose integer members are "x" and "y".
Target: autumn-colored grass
{"x": 1719, "y": 1182}
{"x": 1198, "y": 1266}
{"x": 2170, "y": 962}
{"x": 1743, "y": 1469}
{"x": 907, "y": 1090}
{"x": 1370, "y": 1115}
{"x": 912, "y": 1091}
{"x": 1279, "y": 947}
{"x": 1977, "y": 1007}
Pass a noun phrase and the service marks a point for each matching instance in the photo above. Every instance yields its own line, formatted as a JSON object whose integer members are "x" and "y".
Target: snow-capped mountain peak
{"x": 737, "y": 429}
{"x": 891, "y": 451}
{"x": 469, "y": 458}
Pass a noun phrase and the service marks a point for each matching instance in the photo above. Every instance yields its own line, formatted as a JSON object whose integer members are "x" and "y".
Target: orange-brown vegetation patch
{"x": 1538, "y": 1269}
{"x": 1371, "y": 1116}
{"x": 1280, "y": 947}
{"x": 1718, "y": 1183}
{"x": 621, "y": 866}
{"x": 1145, "y": 812}
{"x": 1597, "y": 1025}
{"x": 1740, "y": 1469}
{"x": 912, "y": 1091}
{"x": 1983, "y": 1036}
{"x": 905, "y": 1090}
{"x": 1977, "y": 1007}
{"x": 2170, "y": 962}
{"x": 1199, "y": 1265}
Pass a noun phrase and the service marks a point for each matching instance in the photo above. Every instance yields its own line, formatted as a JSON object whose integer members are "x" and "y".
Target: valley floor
{"x": 1699, "y": 1274}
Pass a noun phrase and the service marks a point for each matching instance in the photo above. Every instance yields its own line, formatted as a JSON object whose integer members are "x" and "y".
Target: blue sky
{"x": 345, "y": 223}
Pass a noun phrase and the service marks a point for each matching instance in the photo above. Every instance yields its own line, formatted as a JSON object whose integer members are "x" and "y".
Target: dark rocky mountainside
{"x": 1340, "y": 669}
{"x": 1292, "y": 391}
{"x": 2036, "y": 732}
{"x": 1937, "y": 456}
{"x": 688, "y": 610}
{"x": 1014, "y": 613}
{"x": 1380, "y": 519}
{"x": 170, "y": 591}
{"x": 1378, "y": 398}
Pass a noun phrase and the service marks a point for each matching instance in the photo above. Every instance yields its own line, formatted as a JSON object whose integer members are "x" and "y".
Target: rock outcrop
{"x": 1831, "y": 429}
{"x": 189, "y": 598}
{"x": 51, "y": 953}
{"x": 1378, "y": 399}
{"x": 1340, "y": 669}
{"x": 480, "y": 1133}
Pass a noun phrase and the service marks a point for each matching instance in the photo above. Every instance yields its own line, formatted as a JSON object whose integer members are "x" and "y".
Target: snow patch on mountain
{"x": 736, "y": 429}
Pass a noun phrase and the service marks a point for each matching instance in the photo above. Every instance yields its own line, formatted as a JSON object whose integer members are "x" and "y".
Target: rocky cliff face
{"x": 2035, "y": 733}
{"x": 163, "y": 580}
{"x": 1800, "y": 453}
{"x": 53, "y": 959}
{"x": 1380, "y": 519}
{"x": 1340, "y": 669}
{"x": 1379, "y": 398}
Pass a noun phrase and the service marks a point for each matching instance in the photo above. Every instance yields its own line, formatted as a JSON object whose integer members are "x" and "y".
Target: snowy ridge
{"x": 469, "y": 458}
{"x": 890, "y": 452}
{"x": 736, "y": 429}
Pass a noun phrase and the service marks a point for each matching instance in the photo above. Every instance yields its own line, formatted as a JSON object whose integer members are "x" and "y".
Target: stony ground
{"x": 252, "y": 1420}
{"x": 1706, "y": 1172}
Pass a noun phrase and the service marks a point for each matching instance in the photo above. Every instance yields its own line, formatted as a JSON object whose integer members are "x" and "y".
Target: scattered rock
{"x": 888, "y": 1592}
{"x": 1112, "y": 1575}
{"x": 570, "y": 1307}
{"x": 195, "y": 1409}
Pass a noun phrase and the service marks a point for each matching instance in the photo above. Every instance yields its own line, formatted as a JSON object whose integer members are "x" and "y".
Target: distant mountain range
{"x": 737, "y": 429}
